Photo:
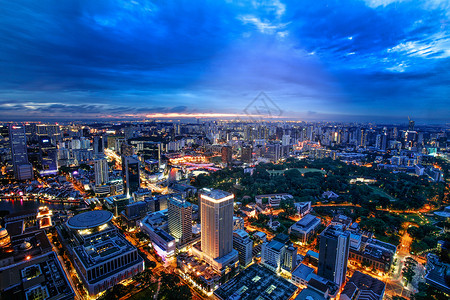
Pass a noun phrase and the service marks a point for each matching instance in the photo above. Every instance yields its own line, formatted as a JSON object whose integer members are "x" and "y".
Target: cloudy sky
{"x": 363, "y": 60}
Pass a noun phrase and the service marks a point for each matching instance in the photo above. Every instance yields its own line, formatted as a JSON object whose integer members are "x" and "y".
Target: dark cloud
{"x": 135, "y": 57}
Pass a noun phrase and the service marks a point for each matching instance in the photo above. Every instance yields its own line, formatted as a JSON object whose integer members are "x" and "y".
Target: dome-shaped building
{"x": 5, "y": 240}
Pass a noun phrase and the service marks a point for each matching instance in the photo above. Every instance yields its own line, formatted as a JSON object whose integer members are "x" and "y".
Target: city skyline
{"x": 365, "y": 61}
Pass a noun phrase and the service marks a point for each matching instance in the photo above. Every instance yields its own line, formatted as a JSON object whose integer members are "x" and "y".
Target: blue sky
{"x": 362, "y": 60}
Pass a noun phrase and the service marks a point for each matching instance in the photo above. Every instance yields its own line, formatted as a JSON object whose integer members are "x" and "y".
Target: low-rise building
{"x": 305, "y": 227}
{"x": 101, "y": 255}
{"x": 155, "y": 225}
{"x": 362, "y": 287}
{"x": 39, "y": 277}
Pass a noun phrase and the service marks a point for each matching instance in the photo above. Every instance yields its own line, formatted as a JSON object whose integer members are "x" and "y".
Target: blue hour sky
{"x": 362, "y": 60}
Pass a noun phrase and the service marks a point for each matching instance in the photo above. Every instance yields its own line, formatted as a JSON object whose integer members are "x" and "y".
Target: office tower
{"x": 180, "y": 220}
{"x": 244, "y": 246}
{"x": 227, "y": 154}
{"x": 126, "y": 149}
{"x": 411, "y": 124}
{"x": 5, "y": 145}
{"x": 22, "y": 168}
{"x": 378, "y": 141}
{"x": 48, "y": 156}
{"x": 384, "y": 141}
{"x": 52, "y": 131}
{"x": 98, "y": 145}
{"x": 130, "y": 174}
{"x": 286, "y": 140}
{"x": 333, "y": 254}
{"x": 101, "y": 171}
{"x": 246, "y": 155}
{"x": 216, "y": 213}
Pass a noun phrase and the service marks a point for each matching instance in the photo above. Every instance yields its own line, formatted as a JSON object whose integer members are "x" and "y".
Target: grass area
{"x": 148, "y": 293}
{"x": 382, "y": 193}
{"x": 415, "y": 218}
{"x": 301, "y": 170}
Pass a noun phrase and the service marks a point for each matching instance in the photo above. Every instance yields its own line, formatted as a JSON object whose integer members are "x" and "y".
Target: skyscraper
{"x": 333, "y": 254}
{"x": 227, "y": 154}
{"x": 101, "y": 171}
{"x": 22, "y": 167}
{"x": 48, "y": 156}
{"x": 130, "y": 174}
{"x": 180, "y": 219}
{"x": 246, "y": 155}
{"x": 216, "y": 209}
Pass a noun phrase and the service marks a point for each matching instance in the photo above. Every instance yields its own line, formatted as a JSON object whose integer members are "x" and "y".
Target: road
{"x": 77, "y": 293}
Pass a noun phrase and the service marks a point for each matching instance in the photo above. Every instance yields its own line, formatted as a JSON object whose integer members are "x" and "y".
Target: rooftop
{"x": 41, "y": 276}
{"x": 90, "y": 219}
{"x": 369, "y": 287}
{"x": 309, "y": 294}
{"x": 102, "y": 249}
{"x": 303, "y": 272}
{"x": 307, "y": 221}
{"x": 215, "y": 194}
{"x": 275, "y": 245}
{"x": 256, "y": 282}
{"x": 241, "y": 233}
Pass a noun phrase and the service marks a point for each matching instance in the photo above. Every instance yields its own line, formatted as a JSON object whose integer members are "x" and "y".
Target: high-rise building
{"x": 98, "y": 145}
{"x": 216, "y": 210}
{"x": 48, "y": 156}
{"x": 246, "y": 155}
{"x": 180, "y": 219}
{"x": 286, "y": 140}
{"x": 130, "y": 174}
{"x": 244, "y": 246}
{"x": 290, "y": 258}
{"x": 333, "y": 254}
{"x": 22, "y": 167}
{"x": 227, "y": 154}
{"x": 101, "y": 171}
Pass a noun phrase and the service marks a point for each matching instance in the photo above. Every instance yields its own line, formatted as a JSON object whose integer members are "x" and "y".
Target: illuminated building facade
{"x": 101, "y": 171}
{"x": 22, "y": 168}
{"x": 101, "y": 255}
{"x": 216, "y": 215}
{"x": 180, "y": 220}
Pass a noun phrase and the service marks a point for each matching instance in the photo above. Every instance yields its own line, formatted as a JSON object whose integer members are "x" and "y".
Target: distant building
{"x": 101, "y": 171}
{"x": 48, "y": 157}
{"x": 130, "y": 174}
{"x": 362, "y": 287}
{"x": 227, "y": 154}
{"x": 23, "y": 170}
{"x": 333, "y": 254}
{"x": 273, "y": 200}
{"x": 246, "y": 155}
